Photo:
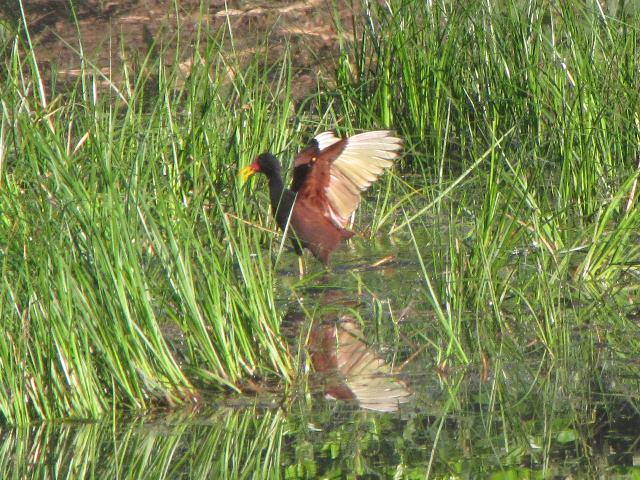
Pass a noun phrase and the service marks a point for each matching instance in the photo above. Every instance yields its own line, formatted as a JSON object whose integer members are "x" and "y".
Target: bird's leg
{"x": 301, "y": 266}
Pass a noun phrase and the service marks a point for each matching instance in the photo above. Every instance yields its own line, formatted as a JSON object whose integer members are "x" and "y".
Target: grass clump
{"x": 522, "y": 133}
{"x": 127, "y": 279}
{"x": 525, "y": 113}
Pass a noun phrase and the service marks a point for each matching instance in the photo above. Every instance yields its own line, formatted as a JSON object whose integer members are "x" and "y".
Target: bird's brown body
{"x": 316, "y": 232}
{"x": 328, "y": 176}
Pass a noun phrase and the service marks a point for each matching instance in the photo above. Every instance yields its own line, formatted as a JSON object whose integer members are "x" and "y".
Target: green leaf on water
{"x": 567, "y": 436}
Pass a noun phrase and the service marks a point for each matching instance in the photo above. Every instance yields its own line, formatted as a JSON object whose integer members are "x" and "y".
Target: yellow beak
{"x": 246, "y": 172}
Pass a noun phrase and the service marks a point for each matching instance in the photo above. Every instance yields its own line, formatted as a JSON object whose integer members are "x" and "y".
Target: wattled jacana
{"x": 328, "y": 176}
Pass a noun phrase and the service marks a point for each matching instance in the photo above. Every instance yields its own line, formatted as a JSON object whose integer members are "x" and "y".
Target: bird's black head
{"x": 269, "y": 165}
{"x": 265, "y": 163}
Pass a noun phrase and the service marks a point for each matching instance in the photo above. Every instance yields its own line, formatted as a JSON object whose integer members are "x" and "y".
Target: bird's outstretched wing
{"x": 336, "y": 170}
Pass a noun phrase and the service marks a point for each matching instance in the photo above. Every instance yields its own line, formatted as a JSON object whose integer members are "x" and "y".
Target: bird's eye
{"x": 313, "y": 159}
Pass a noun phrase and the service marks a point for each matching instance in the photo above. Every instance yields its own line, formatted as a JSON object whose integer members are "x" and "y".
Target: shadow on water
{"x": 351, "y": 370}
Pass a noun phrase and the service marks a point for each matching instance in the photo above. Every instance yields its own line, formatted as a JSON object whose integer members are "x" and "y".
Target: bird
{"x": 328, "y": 176}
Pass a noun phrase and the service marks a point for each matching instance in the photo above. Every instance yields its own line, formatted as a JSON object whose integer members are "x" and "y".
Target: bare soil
{"x": 114, "y": 31}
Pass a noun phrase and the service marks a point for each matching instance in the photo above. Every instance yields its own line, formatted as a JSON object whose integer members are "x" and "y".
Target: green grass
{"x": 271, "y": 443}
{"x": 522, "y": 139}
{"x": 527, "y": 117}
{"x": 122, "y": 219}
{"x": 136, "y": 271}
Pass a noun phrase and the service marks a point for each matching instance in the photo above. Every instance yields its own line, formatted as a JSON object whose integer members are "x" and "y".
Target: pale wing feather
{"x": 326, "y": 139}
{"x": 366, "y": 374}
{"x": 364, "y": 158}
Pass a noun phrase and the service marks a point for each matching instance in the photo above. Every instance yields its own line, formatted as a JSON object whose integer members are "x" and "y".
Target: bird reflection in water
{"x": 351, "y": 370}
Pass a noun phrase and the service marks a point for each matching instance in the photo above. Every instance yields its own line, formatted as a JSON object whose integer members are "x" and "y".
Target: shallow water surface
{"x": 311, "y": 438}
{"x": 408, "y": 405}
{"x": 370, "y": 337}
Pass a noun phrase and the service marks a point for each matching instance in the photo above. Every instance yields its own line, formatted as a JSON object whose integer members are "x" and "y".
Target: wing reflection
{"x": 351, "y": 370}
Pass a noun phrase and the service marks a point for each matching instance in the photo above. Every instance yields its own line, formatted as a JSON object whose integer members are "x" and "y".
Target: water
{"x": 377, "y": 395}
{"x": 311, "y": 438}
{"x": 408, "y": 406}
